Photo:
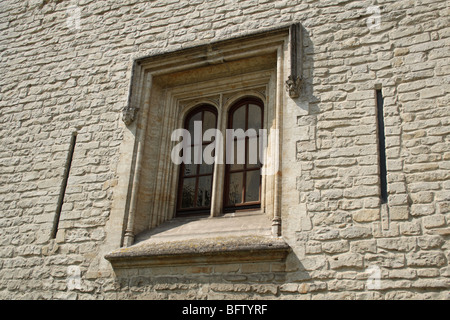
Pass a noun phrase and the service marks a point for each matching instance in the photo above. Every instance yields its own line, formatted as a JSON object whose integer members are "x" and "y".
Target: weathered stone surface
{"x": 405, "y": 244}
{"x": 353, "y": 232}
{"x": 426, "y": 259}
{"x": 200, "y": 250}
{"x": 64, "y": 72}
{"x": 346, "y": 260}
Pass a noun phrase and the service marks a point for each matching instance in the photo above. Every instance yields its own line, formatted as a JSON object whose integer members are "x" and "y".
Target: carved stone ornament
{"x": 128, "y": 115}
{"x": 293, "y": 86}
{"x": 294, "y": 81}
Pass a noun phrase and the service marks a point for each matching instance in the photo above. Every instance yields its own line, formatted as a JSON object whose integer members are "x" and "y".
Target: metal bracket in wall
{"x": 295, "y": 80}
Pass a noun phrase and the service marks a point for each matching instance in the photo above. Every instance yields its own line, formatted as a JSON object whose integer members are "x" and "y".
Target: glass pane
{"x": 239, "y": 150}
{"x": 197, "y": 156}
{"x": 195, "y": 117}
{"x": 206, "y": 168}
{"x": 209, "y": 120}
{"x": 190, "y": 169}
{"x": 254, "y": 117}
{"x": 252, "y": 155}
{"x": 188, "y": 193}
{"x": 252, "y": 186}
{"x": 235, "y": 188}
{"x": 204, "y": 192}
{"x": 239, "y": 118}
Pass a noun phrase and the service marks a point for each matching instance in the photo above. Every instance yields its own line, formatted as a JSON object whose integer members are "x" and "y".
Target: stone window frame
{"x": 182, "y": 100}
{"x": 268, "y": 85}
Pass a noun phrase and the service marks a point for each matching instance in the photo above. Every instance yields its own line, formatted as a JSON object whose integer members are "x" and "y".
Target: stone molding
{"x": 295, "y": 80}
{"x": 218, "y": 250}
{"x": 165, "y": 75}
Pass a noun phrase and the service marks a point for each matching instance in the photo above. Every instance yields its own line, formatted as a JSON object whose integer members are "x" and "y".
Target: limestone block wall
{"x": 66, "y": 67}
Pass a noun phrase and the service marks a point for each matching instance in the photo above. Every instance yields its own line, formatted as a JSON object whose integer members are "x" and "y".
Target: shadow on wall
{"x": 224, "y": 281}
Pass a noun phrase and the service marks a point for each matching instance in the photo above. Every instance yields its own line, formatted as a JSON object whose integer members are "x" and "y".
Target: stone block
{"x": 399, "y": 212}
{"x": 346, "y": 260}
{"x": 363, "y": 246}
{"x": 316, "y": 262}
{"x": 334, "y": 247}
{"x": 426, "y": 259}
{"x": 402, "y": 274}
{"x": 410, "y": 228}
{"x": 366, "y": 215}
{"x": 434, "y": 221}
{"x": 418, "y": 210}
{"x": 353, "y": 232}
{"x": 386, "y": 260}
{"x": 289, "y": 287}
{"x": 430, "y": 242}
{"x": 325, "y": 234}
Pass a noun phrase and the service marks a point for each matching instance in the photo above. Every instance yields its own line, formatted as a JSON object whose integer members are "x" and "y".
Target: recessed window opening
{"x": 243, "y": 178}
{"x": 195, "y": 181}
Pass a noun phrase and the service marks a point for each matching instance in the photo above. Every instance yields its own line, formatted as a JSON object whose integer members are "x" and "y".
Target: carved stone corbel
{"x": 294, "y": 81}
{"x": 128, "y": 115}
{"x": 293, "y": 86}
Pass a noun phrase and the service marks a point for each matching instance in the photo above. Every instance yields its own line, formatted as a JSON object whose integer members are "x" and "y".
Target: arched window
{"x": 195, "y": 180}
{"x": 243, "y": 175}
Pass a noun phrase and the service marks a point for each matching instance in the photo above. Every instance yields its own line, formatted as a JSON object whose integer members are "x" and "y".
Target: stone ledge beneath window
{"x": 215, "y": 250}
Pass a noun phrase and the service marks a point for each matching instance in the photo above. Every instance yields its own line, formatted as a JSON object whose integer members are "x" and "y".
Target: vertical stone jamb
{"x": 276, "y": 221}
{"x": 140, "y": 130}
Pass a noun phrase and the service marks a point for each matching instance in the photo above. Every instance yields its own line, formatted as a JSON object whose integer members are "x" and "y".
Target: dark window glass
{"x": 243, "y": 180}
{"x": 195, "y": 181}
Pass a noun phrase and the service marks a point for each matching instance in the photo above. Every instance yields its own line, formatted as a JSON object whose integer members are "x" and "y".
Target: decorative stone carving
{"x": 128, "y": 238}
{"x": 294, "y": 81}
{"x": 276, "y": 226}
{"x": 128, "y": 115}
{"x": 293, "y": 86}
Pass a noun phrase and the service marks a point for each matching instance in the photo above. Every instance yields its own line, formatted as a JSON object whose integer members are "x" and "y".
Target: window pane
{"x": 206, "y": 168}
{"x": 254, "y": 117}
{"x": 191, "y": 169}
{"x": 241, "y": 151}
{"x": 239, "y": 118}
{"x": 196, "y": 178}
{"x": 235, "y": 188}
{"x": 204, "y": 191}
{"x": 243, "y": 177}
{"x": 195, "y": 117}
{"x": 209, "y": 120}
{"x": 252, "y": 186}
{"x": 252, "y": 155}
{"x": 188, "y": 193}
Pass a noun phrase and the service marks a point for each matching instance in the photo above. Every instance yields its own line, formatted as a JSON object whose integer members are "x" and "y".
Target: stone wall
{"x": 66, "y": 67}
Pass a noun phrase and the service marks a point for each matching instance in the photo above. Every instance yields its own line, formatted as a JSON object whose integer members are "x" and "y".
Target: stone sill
{"x": 230, "y": 238}
{"x": 218, "y": 250}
